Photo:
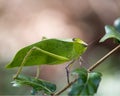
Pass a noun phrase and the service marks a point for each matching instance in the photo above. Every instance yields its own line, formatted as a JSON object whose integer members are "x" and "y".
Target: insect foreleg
{"x": 82, "y": 61}
{"x": 67, "y": 70}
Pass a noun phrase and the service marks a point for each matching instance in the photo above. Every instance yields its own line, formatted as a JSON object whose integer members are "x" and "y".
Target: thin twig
{"x": 103, "y": 58}
{"x": 89, "y": 69}
{"x": 66, "y": 87}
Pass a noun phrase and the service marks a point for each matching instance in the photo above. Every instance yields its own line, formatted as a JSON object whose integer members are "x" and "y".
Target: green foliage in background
{"x": 112, "y": 31}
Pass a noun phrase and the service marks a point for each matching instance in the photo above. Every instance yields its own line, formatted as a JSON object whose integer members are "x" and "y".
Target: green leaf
{"x": 111, "y": 32}
{"x": 48, "y": 51}
{"x": 87, "y": 83}
{"x": 37, "y": 84}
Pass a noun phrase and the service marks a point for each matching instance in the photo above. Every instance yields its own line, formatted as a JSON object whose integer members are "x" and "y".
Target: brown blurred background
{"x": 23, "y": 22}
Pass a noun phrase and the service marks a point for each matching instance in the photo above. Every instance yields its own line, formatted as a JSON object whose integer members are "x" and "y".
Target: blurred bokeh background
{"x": 23, "y": 22}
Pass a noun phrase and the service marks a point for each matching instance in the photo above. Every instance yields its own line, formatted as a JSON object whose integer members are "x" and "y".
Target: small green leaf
{"x": 82, "y": 73}
{"x": 37, "y": 84}
{"x": 48, "y": 51}
{"x": 111, "y": 32}
{"x": 87, "y": 83}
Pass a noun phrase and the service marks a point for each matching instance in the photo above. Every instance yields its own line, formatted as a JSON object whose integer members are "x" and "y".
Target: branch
{"x": 103, "y": 58}
{"x": 89, "y": 69}
{"x": 65, "y": 88}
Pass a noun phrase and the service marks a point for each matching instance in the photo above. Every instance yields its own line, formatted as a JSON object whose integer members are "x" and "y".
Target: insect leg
{"x": 67, "y": 70}
{"x": 82, "y": 61}
{"x": 23, "y": 62}
{"x": 38, "y": 72}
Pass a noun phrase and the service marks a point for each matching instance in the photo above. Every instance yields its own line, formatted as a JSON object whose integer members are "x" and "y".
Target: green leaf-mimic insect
{"x": 49, "y": 51}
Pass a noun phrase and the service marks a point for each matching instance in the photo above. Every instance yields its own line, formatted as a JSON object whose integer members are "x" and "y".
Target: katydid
{"x": 49, "y": 52}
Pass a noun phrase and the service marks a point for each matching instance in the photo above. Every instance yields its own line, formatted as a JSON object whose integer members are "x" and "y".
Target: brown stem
{"x": 89, "y": 69}
{"x": 103, "y": 58}
{"x": 66, "y": 87}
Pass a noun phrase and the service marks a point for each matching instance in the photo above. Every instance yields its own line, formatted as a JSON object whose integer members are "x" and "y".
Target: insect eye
{"x": 80, "y": 41}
